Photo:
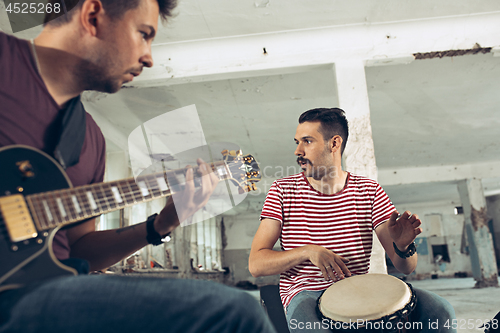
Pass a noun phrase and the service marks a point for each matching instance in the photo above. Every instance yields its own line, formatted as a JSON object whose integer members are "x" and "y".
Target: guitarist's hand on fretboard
{"x": 189, "y": 200}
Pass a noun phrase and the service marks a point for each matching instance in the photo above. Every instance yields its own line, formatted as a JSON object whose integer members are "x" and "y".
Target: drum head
{"x": 366, "y": 297}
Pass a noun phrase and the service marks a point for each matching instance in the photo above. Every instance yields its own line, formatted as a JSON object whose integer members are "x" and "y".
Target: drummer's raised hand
{"x": 328, "y": 262}
{"x": 404, "y": 229}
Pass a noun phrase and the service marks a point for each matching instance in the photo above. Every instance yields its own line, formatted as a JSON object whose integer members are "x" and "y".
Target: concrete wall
{"x": 239, "y": 231}
{"x": 441, "y": 226}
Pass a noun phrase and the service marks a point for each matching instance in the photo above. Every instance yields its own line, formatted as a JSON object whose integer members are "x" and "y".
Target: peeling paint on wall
{"x": 479, "y": 218}
{"x": 452, "y": 53}
{"x": 359, "y": 151}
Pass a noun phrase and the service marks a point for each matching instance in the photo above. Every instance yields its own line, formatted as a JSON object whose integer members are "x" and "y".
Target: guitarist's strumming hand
{"x": 185, "y": 203}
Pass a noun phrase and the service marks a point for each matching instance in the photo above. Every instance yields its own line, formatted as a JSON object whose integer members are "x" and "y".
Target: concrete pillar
{"x": 482, "y": 253}
{"x": 359, "y": 154}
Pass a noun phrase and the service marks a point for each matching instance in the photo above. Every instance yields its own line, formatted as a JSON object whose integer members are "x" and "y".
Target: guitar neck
{"x": 67, "y": 206}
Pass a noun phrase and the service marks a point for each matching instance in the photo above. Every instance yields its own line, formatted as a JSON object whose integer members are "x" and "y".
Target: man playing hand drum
{"x": 324, "y": 218}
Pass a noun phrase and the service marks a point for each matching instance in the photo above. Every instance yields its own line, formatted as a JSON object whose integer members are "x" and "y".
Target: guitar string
{"x": 119, "y": 184}
{"x": 146, "y": 178}
{"x": 86, "y": 210}
{"x": 132, "y": 196}
{"x": 100, "y": 198}
{"x": 86, "y": 213}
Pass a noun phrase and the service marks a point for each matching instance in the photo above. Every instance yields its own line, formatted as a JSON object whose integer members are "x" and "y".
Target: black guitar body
{"x": 30, "y": 260}
{"x": 34, "y": 188}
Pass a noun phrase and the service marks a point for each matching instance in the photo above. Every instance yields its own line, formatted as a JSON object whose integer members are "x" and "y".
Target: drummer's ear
{"x": 335, "y": 143}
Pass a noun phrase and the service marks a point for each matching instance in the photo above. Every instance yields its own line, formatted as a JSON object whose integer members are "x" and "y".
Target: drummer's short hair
{"x": 115, "y": 9}
{"x": 333, "y": 122}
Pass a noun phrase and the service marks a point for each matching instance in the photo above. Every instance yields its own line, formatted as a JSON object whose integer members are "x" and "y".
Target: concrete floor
{"x": 472, "y": 306}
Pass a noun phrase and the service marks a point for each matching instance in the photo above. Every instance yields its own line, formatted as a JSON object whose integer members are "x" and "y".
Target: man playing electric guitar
{"x": 100, "y": 45}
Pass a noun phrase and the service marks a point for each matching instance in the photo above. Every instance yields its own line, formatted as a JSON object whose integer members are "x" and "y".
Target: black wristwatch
{"x": 411, "y": 250}
{"x": 152, "y": 236}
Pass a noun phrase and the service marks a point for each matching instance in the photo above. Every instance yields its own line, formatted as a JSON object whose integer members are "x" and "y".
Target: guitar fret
{"x": 121, "y": 194}
{"x": 84, "y": 204}
{"x": 108, "y": 193}
{"x": 74, "y": 200}
{"x": 152, "y": 183}
{"x": 94, "y": 200}
{"x": 91, "y": 200}
{"x": 162, "y": 184}
{"x": 143, "y": 188}
{"x": 116, "y": 194}
{"x": 50, "y": 199}
{"x": 133, "y": 190}
{"x": 101, "y": 198}
{"x": 40, "y": 217}
{"x": 69, "y": 205}
{"x": 61, "y": 208}
{"x": 127, "y": 196}
{"x": 50, "y": 210}
{"x": 46, "y": 208}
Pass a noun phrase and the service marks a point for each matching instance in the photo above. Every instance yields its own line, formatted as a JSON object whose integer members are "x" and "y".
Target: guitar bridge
{"x": 17, "y": 218}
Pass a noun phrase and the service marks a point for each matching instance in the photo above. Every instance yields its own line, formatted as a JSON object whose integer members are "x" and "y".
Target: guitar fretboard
{"x": 51, "y": 209}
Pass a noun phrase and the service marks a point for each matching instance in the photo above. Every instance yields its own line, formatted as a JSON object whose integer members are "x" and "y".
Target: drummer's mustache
{"x": 300, "y": 159}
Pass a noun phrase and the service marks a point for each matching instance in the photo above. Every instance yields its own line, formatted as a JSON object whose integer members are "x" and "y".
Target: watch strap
{"x": 411, "y": 250}
{"x": 153, "y": 237}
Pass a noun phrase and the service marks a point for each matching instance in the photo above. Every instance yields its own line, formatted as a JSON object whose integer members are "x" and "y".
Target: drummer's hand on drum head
{"x": 328, "y": 262}
{"x": 404, "y": 229}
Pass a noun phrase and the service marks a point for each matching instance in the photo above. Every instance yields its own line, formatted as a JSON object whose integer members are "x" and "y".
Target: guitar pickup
{"x": 17, "y": 218}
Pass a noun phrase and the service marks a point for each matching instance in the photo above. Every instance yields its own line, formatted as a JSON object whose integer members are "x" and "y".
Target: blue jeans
{"x": 431, "y": 310}
{"x": 98, "y": 303}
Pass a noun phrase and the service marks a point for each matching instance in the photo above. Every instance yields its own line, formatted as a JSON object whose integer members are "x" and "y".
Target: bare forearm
{"x": 405, "y": 266}
{"x": 105, "y": 248}
{"x": 270, "y": 262}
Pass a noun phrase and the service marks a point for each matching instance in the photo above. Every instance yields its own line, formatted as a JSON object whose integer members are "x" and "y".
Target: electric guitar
{"x": 37, "y": 199}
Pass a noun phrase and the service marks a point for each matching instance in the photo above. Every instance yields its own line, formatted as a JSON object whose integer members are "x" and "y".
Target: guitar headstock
{"x": 244, "y": 171}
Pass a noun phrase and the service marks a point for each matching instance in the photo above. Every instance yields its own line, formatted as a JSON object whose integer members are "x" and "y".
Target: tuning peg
{"x": 225, "y": 152}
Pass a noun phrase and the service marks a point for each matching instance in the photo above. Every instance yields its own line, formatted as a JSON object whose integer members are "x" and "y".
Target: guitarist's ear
{"x": 91, "y": 15}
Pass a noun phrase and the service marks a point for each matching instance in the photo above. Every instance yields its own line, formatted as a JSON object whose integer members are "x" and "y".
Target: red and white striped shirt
{"x": 342, "y": 222}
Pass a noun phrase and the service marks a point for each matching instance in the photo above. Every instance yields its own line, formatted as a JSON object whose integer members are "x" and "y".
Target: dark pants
{"x": 99, "y": 303}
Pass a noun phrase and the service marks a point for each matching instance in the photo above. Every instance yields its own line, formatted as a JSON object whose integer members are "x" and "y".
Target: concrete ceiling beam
{"x": 403, "y": 176}
{"x": 282, "y": 52}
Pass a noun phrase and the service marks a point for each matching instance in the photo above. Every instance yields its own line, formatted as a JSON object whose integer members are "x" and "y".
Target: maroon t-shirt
{"x": 28, "y": 115}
